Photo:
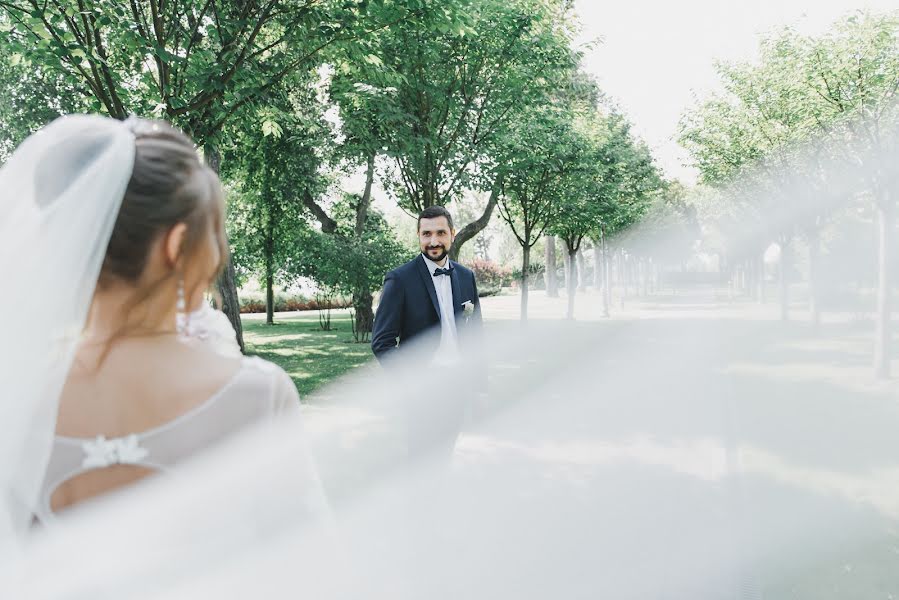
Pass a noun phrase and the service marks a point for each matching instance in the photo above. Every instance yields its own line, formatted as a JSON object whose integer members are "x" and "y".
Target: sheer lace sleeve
{"x": 285, "y": 398}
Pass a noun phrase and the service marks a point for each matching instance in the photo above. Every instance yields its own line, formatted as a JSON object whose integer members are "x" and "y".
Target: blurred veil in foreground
{"x": 703, "y": 450}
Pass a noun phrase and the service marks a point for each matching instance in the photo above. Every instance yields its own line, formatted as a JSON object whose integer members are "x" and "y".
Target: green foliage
{"x": 262, "y": 227}
{"x": 538, "y": 153}
{"x": 194, "y": 62}
{"x": 612, "y": 184}
{"x": 536, "y": 271}
{"x": 837, "y": 91}
{"x": 445, "y": 85}
{"x": 769, "y": 145}
{"x": 274, "y": 158}
{"x": 343, "y": 262}
{"x": 31, "y": 95}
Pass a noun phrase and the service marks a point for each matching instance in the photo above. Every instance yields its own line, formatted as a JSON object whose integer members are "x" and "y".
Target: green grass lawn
{"x": 312, "y": 357}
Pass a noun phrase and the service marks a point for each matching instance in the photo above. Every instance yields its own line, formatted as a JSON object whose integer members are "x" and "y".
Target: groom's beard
{"x": 440, "y": 256}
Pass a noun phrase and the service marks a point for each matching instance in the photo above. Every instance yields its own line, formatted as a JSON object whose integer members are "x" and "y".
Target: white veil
{"x": 59, "y": 197}
{"x": 657, "y": 464}
{"x": 702, "y": 450}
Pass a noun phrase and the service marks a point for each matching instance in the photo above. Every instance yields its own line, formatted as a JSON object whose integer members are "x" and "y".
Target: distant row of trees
{"x": 797, "y": 140}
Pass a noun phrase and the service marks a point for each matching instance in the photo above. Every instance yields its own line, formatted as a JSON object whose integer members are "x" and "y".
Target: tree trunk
{"x": 606, "y": 274}
{"x": 226, "y": 284}
{"x": 644, "y": 277}
{"x": 365, "y": 201}
{"x": 814, "y": 254}
{"x": 269, "y": 258}
{"x": 230, "y": 305}
{"x": 552, "y": 283}
{"x": 749, "y": 283}
{"x": 364, "y": 314}
{"x": 784, "y": 279}
{"x": 748, "y": 278}
{"x": 525, "y": 265}
{"x": 269, "y": 294}
{"x": 581, "y": 269}
{"x": 362, "y": 296}
{"x": 760, "y": 278}
{"x": 475, "y": 227}
{"x": 607, "y": 300}
{"x": 597, "y": 266}
{"x": 883, "y": 331}
{"x": 571, "y": 280}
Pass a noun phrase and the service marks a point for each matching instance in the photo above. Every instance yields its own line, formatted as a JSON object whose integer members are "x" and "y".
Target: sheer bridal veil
{"x": 702, "y": 450}
{"x": 59, "y": 197}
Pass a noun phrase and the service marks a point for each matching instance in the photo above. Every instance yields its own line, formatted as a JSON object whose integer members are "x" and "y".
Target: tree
{"x": 344, "y": 262}
{"x": 194, "y": 62}
{"x": 752, "y": 127}
{"x": 625, "y": 181}
{"x": 581, "y": 205}
{"x": 539, "y": 150}
{"x": 444, "y": 85}
{"x": 272, "y": 168}
{"x": 852, "y": 79}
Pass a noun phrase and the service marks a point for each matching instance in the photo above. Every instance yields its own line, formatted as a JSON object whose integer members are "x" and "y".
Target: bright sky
{"x": 655, "y": 56}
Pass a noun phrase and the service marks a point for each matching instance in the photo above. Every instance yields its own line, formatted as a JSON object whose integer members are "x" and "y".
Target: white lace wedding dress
{"x": 259, "y": 390}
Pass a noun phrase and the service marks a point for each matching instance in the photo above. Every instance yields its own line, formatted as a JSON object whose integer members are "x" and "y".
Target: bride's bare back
{"x": 142, "y": 384}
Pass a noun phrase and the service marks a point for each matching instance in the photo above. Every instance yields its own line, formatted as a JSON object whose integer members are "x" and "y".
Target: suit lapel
{"x": 429, "y": 283}
{"x": 457, "y": 290}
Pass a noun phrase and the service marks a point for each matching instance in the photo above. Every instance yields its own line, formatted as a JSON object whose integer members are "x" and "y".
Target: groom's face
{"x": 436, "y": 237}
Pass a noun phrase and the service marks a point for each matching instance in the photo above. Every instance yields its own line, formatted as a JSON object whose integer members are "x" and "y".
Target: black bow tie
{"x": 439, "y": 271}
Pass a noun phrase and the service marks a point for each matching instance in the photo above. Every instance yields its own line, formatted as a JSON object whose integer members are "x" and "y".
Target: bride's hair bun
{"x": 169, "y": 185}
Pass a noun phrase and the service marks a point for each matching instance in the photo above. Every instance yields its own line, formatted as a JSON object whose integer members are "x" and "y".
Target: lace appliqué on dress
{"x": 101, "y": 452}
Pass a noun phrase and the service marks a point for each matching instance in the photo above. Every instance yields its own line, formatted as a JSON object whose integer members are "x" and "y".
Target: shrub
{"x": 254, "y": 302}
{"x": 535, "y": 276}
{"x": 490, "y": 276}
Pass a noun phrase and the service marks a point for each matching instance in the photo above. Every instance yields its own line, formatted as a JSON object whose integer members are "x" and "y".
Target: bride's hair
{"x": 169, "y": 185}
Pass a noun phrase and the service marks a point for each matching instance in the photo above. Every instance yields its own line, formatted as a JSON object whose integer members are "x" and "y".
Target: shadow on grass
{"x": 311, "y": 356}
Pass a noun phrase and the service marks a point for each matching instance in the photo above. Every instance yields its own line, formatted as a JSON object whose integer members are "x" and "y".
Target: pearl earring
{"x": 181, "y": 306}
{"x": 182, "y": 319}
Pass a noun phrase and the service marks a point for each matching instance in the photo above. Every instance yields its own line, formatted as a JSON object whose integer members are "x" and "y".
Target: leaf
{"x": 271, "y": 128}
{"x": 374, "y": 60}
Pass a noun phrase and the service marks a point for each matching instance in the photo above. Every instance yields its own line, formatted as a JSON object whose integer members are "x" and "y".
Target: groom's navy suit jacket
{"x": 408, "y": 308}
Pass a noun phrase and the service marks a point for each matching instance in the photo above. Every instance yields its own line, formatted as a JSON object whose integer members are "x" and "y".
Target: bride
{"x": 127, "y": 218}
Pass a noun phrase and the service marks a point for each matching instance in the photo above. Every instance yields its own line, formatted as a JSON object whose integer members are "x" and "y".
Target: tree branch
{"x": 475, "y": 227}
{"x": 365, "y": 201}
{"x": 328, "y": 224}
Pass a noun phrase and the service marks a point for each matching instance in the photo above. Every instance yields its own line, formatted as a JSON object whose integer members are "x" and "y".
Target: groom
{"x": 427, "y": 292}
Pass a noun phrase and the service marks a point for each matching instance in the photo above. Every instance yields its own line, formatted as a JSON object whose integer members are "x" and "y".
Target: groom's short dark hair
{"x": 432, "y": 212}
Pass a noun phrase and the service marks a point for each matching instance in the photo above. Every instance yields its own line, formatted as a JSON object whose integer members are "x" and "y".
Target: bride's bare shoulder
{"x": 140, "y": 384}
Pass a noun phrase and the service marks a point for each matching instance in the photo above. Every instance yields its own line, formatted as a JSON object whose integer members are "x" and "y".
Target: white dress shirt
{"x": 449, "y": 347}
